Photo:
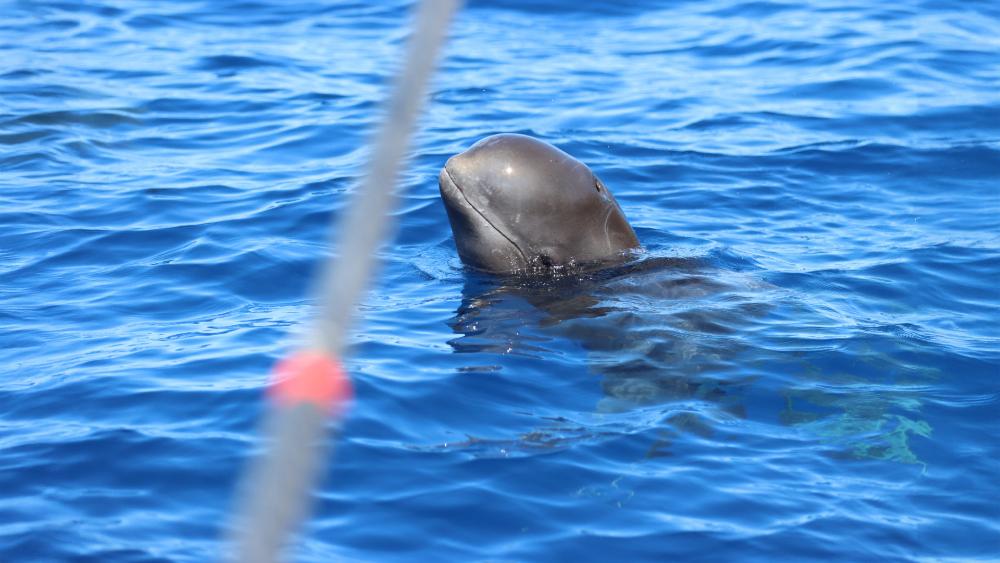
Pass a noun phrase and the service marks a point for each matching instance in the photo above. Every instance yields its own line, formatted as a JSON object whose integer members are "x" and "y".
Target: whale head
{"x": 518, "y": 204}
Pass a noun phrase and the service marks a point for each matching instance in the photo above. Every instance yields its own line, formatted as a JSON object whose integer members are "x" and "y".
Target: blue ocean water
{"x": 803, "y": 364}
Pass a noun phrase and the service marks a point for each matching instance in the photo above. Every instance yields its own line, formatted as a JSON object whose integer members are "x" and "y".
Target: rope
{"x": 310, "y": 386}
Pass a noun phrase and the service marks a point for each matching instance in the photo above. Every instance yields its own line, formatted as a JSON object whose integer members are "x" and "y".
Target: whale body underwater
{"x": 659, "y": 329}
{"x": 519, "y": 205}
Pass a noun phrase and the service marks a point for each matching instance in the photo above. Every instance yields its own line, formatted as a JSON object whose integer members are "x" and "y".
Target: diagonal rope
{"x": 309, "y": 386}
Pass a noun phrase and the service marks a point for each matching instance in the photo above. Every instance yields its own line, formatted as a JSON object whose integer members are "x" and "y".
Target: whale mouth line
{"x": 454, "y": 184}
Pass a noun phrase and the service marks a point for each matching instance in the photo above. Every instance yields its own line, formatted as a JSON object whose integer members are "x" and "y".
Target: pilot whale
{"x": 518, "y": 204}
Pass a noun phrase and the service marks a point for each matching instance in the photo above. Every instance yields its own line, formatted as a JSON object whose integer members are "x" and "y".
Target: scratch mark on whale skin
{"x": 607, "y": 233}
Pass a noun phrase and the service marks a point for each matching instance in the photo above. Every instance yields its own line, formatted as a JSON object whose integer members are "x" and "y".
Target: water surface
{"x": 803, "y": 364}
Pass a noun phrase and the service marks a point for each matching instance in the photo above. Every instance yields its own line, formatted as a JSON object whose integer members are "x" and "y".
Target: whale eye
{"x": 597, "y": 185}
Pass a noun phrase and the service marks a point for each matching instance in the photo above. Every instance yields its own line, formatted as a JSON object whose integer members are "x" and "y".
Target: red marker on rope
{"x": 311, "y": 377}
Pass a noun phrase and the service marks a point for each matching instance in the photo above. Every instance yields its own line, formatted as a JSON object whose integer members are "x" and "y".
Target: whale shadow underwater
{"x": 660, "y": 333}
{"x": 551, "y": 258}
